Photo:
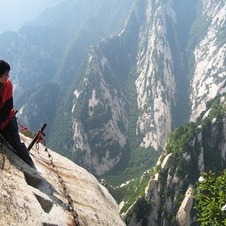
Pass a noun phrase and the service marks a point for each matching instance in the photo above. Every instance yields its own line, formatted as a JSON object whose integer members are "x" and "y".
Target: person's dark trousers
{"x": 11, "y": 134}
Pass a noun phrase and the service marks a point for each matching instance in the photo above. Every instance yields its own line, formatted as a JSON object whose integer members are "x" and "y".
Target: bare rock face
{"x": 44, "y": 196}
{"x": 183, "y": 214}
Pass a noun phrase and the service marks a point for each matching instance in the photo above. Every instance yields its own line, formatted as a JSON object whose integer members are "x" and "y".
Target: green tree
{"x": 210, "y": 199}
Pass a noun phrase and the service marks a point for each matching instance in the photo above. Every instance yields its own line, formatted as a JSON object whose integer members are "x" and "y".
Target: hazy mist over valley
{"x": 15, "y": 13}
{"x": 133, "y": 91}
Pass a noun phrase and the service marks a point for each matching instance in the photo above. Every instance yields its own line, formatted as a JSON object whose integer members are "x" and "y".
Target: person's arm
{"x": 7, "y": 101}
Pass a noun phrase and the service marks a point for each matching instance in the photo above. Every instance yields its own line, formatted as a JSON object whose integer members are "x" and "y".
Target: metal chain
{"x": 3, "y": 160}
{"x": 65, "y": 190}
{"x": 3, "y": 157}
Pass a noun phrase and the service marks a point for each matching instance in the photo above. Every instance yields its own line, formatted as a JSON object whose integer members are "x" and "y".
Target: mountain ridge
{"x": 190, "y": 151}
{"x": 121, "y": 93}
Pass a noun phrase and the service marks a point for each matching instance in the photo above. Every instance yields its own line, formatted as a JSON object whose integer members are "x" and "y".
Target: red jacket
{"x": 6, "y": 104}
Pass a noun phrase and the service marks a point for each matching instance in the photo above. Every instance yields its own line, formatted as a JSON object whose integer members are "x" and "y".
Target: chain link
{"x": 55, "y": 169}
{"x": 3, "y": 157}
{"x": 65, "y": 190}
{"x": 3, "y": 162}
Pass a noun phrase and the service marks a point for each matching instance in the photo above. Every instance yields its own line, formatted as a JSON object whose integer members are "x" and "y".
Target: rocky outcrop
{"x": 209, "y": 73}
{"x": 103, "y": 123}
{"x": 183, "y": 214}
{"x": 190, "y": 151}
{"x": 134, "y": 84}
{"x": 42, "y": 196}
{"x": 155, "y": 84}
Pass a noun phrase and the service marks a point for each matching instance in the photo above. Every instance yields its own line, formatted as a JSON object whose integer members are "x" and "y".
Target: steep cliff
{"x": 159, "y": 60}
{"x": 140, "y": 69}
{"x": 191, "y": 150}
{"x": 121, "y": 76}
{"x": 135, "y": 80}
{"x": 155, "y": 82}
{"x": 209, "y": 63}
{"x": 100, "y": 122}
{"x": 44, "y": 196}
{"x": 115, "y": 87}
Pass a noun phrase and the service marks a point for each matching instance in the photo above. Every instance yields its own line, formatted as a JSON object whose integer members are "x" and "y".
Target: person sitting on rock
{"x": 8, "y": 122}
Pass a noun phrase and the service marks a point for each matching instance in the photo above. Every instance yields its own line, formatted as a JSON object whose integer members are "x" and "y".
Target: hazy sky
{"x": 14, "y": 13}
